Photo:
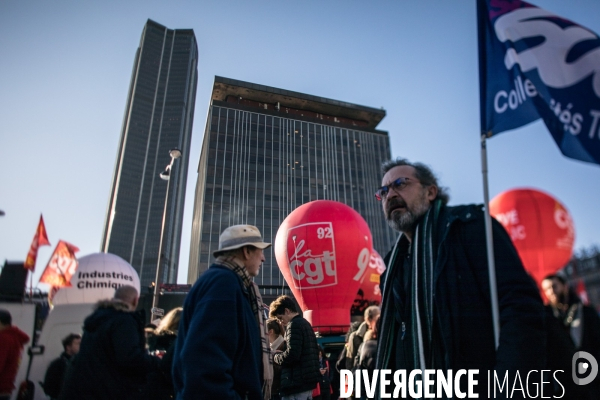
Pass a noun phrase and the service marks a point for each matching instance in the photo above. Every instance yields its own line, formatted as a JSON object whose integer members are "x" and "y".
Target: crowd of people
{"x": 436, "y": 314}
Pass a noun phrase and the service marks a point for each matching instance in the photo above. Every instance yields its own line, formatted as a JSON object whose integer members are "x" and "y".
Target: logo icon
{"x": 553, "y": 67}
{"x": 584, "y": 363}
{"x": 311, "y": 254}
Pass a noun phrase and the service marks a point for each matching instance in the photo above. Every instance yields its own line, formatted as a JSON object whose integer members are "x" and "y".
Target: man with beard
{"x": 572, "y": 327}
{"x": 436, "y": 306}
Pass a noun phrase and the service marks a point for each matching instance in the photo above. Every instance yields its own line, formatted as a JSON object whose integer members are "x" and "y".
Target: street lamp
{"x": 165, "y": 175}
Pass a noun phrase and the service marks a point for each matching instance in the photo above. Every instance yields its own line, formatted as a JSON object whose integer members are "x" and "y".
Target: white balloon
{"x": 96, "y": 278}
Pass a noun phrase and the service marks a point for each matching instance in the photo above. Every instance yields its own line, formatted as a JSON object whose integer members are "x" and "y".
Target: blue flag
{"x": 534, "y": 64}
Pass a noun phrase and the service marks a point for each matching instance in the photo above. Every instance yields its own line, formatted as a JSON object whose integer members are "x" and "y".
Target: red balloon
{"x": 323, "y": 249}
{"x": 370, "y": 283}
{"x": 540, "y": 227}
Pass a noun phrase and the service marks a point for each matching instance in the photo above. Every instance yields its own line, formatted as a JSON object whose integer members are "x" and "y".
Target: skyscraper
{"x": 158, "y": 117}
{"x": 266, "y": 151}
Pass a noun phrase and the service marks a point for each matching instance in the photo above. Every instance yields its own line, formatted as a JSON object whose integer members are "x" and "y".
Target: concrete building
{"x": 266, "y": 151}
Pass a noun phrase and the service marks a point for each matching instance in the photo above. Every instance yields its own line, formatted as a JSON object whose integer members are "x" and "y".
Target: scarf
{"x": 277, "y": 342}
{"x": 258, "y": 308}
{"x": 424, "y": 257}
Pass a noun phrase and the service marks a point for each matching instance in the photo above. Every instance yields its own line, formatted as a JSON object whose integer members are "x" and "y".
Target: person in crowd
{"x": 300, "y": 360}
{"x": 166, "y": 332}
{"x": 149, "y": 330}
{"x": 367, "y": 352}
{"x": 222, "y": 350}
{"x": 572, "y": 327}
{"x": 436, "y": 306}
{"x": 112, "y": 362}
{"x": 356, "y": 338}
{"x": 323, "y": 390}
{"x": 277, "y": 343}
{"x": 341, "y": 362}
{"x": 359, "y": 304}
{"x": 162, "y": 344}
{"x": 55, "y": 373}
{"x": 12, "y": 340}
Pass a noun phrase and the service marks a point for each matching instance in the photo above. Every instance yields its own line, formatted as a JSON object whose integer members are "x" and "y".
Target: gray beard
{"x": 407, "y": 221}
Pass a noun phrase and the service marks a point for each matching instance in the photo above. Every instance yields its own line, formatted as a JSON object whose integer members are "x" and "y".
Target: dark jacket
{"x": 462, "y": 301}
{"x": 218, "y": 348}
{"x": 561, "y": 349}
{"x": 277, "y": 373}
{"x": 365, "y": 359}
{"x": 300, "y": 360}
{"x": 55, "y": 375}
{"x": 354, "y": 342}
{"x": 112, "y": 362}
{"x": 160, "y": 383}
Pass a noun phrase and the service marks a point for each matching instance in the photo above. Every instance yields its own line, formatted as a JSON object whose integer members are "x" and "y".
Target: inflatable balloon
{"x": 369, "y": 293}
{"x": 540, "y": 228}
{"x": 96, "y": 278}
{"x": 323, "y": 249}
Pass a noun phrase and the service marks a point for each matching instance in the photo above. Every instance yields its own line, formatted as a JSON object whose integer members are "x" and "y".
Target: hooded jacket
{"x": 12, "y": 340}
{"x": 112, "y": 362}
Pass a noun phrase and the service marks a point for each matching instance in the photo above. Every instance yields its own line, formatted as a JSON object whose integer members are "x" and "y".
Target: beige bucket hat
{"x": 237, "y": 236}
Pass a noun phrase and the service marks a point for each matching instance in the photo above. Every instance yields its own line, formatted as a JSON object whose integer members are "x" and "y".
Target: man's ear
{"x": 246, "y": 252}
{"x": 432, "y": 192}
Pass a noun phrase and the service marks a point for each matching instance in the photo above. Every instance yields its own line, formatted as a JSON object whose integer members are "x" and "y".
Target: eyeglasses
{"x": 398, "y": 184}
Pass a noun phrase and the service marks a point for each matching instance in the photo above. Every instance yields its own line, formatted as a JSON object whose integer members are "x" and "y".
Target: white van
{"x": 62, "y": 320}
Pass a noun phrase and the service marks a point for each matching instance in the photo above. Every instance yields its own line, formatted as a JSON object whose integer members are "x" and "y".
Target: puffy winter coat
{"x": 300, "y": 360}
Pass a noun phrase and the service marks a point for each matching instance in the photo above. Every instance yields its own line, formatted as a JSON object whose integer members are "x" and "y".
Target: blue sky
{"x": 65, "y": 68}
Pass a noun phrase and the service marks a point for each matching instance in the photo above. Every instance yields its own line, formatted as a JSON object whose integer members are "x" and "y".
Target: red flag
{"x": 62, "y": 265}
{"x": 40, "y": 239}
{"x": 582, "y": 292}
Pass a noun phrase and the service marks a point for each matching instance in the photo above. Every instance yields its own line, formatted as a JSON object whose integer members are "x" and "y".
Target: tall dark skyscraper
{"x": 158, "y": 117}
{"x": 266, "y": 151}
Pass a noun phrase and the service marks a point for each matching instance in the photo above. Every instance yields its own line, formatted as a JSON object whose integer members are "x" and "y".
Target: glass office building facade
{"x": 158, "y": 117}
{"x": 266, "y": 151}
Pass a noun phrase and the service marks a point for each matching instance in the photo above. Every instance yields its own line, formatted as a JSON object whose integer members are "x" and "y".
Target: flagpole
{"x": 490, "y": 243}
{"x": 481, "y": 43}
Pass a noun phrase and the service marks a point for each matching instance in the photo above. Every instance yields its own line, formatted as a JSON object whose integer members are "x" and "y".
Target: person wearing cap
{"x": 222, "y": 349}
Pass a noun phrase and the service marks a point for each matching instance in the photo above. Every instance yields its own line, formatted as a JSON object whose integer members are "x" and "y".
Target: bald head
{"x": 127, "y": 294}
